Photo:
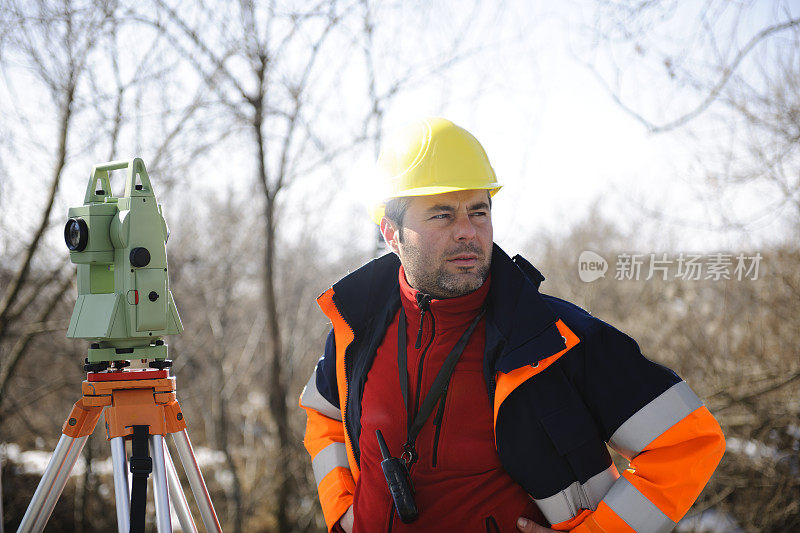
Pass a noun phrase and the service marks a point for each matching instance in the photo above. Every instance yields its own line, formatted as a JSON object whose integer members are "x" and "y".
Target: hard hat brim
{"x": 377, "y": 212}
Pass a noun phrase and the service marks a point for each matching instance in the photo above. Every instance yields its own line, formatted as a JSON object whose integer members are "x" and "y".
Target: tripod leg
{"x": 161, "y": 495}
{"x": 199, "y": 489}
{"x": 177, "y": 497}
{"x": 121, "y": 494}
{"x": 52, "y": 483}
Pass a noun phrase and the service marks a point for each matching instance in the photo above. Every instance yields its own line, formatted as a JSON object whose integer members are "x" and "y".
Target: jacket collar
{"x": 521, "y": 326}
{"x": 517, "y": 315}
{"x": 516, "y": 308}
{"x": 362, "y": 293}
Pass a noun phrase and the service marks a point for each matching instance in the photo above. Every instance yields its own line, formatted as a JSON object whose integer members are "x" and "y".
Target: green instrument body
{"x": 124, "y": 305}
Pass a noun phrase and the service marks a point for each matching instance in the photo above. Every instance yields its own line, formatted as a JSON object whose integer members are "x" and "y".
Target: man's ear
{"x": 391, "y": 234}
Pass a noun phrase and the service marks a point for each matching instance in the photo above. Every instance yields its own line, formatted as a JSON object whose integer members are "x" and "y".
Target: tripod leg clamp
{"x": 82, "y": 419}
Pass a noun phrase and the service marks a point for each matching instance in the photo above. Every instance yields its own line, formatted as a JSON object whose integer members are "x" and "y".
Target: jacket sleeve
{"x": 655, "y": 420}
{"x": 324, "y": 438}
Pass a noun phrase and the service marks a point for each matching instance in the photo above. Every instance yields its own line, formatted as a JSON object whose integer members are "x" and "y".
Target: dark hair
{"x": 396, "y": 208}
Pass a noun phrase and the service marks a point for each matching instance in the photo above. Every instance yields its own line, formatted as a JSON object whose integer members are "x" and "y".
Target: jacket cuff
{"x": 336, "y": 495}
{"x": 603, "y": 520}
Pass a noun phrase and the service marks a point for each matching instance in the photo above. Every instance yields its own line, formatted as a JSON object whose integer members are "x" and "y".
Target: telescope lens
{"x": 76, "y": 234}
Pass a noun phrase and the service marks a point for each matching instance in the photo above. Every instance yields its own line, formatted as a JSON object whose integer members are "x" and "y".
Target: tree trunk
{"x": 277, "y": 392}
{"x": 222, "y": 429}
{"x": 277, "y": 388}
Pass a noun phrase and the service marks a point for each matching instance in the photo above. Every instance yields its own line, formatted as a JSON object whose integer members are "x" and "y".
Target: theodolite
{"x": 124, "y": 309}
{"x": 124, "y": 305}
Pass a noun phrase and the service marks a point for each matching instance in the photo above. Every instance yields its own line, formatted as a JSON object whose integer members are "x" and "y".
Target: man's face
{"x": 446, "y": 242}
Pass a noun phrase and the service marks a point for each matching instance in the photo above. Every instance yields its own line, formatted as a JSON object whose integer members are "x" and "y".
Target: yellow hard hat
{"x": 432, "y": 156}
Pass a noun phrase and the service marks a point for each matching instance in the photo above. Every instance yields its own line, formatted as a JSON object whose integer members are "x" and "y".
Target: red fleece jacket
{"x": 459, "y": 482}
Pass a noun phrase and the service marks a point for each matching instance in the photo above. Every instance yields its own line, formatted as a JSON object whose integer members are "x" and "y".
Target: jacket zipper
{"x": 437, "y": 421}
{"x": 347, "y": 386}
{"x": 423, "y": 302}
{"x": 424, "y": 305}
{"x": 493, "y": 380}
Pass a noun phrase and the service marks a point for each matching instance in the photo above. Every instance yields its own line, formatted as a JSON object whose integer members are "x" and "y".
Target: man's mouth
{"x": 464, "y": 260}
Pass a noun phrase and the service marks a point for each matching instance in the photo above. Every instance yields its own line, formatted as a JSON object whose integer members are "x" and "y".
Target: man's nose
{"x": 464, "y": 228}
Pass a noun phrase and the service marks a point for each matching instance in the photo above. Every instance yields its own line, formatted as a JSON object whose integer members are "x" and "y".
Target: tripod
{"x": 140, "y": 405}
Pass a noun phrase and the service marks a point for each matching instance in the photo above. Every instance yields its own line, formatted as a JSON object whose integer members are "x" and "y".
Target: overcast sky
{"x": 555, "y": 137}
{"x": 559, "y": 143}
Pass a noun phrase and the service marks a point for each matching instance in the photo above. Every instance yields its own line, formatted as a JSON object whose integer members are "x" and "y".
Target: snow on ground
{"x": 709, "y": 521}
{"x": 35, "y": 461}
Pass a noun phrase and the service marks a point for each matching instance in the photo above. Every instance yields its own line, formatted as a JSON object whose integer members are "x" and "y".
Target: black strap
{"x": 141, "y": 465}
{"x": 437, "y": 388}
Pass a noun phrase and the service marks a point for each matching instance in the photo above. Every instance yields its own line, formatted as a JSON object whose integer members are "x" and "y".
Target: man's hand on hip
{"x": 526, "y": 525}
{"x": 347, "y": 519}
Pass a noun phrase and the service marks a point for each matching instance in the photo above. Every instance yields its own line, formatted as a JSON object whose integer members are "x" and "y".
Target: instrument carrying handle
{"x": 100, "y": 172}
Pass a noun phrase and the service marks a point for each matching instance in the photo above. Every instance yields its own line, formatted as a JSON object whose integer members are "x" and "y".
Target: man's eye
{"x": 442, "y": 216}
{"x": 478, "y": 214}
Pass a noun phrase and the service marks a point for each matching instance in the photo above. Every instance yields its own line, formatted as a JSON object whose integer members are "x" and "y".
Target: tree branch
{"x": 746, "y": 398}
{"x": 41, "y": 325}
{"x": 712, "y": 95}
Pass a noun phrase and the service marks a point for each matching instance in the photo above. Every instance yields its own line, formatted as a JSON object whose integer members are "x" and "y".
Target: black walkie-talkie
{"x": 399, "y": 482}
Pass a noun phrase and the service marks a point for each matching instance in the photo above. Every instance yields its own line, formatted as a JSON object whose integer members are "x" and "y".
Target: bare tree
{"x": 278, "y": 94}
{"x": 58, "y": 51}
{"x": 725, "y": 73}
{"x": 262, "y": 94}
{"x": 54, "y": 40}
{"x": 275, "y": 74}
{"x": 61, "y": 113}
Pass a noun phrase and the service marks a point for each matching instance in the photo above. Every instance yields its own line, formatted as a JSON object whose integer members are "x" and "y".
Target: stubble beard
{"x": 438, "y": 281}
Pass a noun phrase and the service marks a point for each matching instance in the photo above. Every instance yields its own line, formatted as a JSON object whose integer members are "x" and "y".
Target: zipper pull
{"x": 424, "y": 303}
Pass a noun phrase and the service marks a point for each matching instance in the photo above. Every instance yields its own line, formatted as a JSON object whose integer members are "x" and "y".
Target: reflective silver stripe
{"x": 330, "y": 457}
{"x": 312, "y": 399}
{"x": 637, "y": 511}
{"x": 654, "y": 419}
{"x": 569, "y": 502}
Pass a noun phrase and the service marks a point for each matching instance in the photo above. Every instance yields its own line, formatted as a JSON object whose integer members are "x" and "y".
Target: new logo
{"x": 591, "y": 266}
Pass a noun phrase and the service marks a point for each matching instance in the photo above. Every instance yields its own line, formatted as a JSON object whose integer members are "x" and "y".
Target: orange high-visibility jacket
{"x": 563, "y": 383}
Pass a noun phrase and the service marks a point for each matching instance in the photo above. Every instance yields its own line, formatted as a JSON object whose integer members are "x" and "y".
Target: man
{"x": 499, "y": 399}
